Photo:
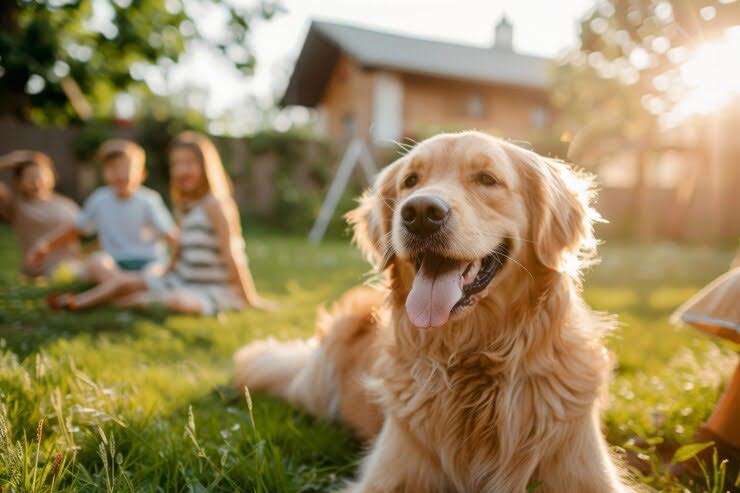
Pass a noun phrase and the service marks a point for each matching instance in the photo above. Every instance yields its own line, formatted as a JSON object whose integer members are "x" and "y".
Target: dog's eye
{"x": 411, "y": 181}
{"x": 487, "y": 180}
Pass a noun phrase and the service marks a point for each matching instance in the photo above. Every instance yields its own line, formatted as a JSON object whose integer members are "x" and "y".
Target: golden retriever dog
{"x": 476, "y": 366}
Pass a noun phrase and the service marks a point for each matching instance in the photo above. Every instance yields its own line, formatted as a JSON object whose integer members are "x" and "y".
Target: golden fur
{"x": 506, "y": 393}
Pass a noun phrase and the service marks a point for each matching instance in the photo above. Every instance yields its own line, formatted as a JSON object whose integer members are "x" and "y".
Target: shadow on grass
{"x": 27, "y": 323}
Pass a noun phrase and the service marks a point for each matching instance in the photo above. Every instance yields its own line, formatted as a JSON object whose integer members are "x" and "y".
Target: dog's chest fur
{"x": 469, "y": 410}
{"x": 463, "y": 395}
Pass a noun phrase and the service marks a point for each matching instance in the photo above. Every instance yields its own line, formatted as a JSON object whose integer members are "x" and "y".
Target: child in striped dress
{"x": 209, "y": 272}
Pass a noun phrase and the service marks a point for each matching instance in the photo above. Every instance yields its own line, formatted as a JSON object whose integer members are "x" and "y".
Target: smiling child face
{"x": 123, "y": 175}
{"x": 186, "y": 171}
{"x": 35, "y": 182}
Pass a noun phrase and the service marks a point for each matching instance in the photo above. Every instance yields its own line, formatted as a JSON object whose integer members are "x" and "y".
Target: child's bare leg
{"x": 724, "y": 419}
{"x": 251, "y": 290}
{"x": 99, "y": 266}
{"x": 183, "y": 302}
{"x": 135, "y": 300}
{"x": 177, "y": 301}
{"x": 121, "y": 284}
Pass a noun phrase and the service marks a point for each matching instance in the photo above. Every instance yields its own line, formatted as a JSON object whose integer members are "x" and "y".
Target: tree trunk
{"x": 714, "y": 165}
{"x": 13, "y": 98}
{"x": 685, "y": 193}
{"x": 642, "y": 225}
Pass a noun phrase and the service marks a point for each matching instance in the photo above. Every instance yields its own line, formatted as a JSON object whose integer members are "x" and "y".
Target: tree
{"x": 52, "y": 51}
{"x": 623, "y": 85}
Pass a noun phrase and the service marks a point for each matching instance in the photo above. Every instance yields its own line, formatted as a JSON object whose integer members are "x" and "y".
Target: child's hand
{"x": 263, "y": 304}
{"x": 37, "y": 254}
{"x": 173, "y": 239}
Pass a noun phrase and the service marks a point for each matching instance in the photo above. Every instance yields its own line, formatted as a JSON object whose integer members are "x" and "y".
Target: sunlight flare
{"x": 712, "y": 75}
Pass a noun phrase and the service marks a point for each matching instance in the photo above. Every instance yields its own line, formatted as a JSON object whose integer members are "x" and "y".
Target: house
{"x": 384, "y": 87}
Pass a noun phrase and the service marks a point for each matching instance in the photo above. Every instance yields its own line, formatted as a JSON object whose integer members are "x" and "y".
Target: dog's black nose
{"x": 424, "y": 215}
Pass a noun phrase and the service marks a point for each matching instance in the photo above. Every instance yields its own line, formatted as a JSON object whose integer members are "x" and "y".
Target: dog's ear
{"x": 371, "y": 220}
{"x": 561, "y": 217}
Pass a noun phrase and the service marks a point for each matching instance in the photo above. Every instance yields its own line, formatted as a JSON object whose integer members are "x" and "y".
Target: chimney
{"x": 504, "y": 35}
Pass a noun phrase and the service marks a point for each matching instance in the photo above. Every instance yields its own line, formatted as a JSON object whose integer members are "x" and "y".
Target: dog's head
{"x": 459, "y": 209}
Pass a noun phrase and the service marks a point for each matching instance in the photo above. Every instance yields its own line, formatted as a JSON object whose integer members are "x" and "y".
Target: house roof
{"x": 326, "y": 41}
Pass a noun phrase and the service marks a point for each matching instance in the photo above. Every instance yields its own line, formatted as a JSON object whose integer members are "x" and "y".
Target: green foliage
{"x": 689, "y": 451}
{"x": 608, "y": 84}
{"x": 297, "y": 201}
{"x": 140, "y": 401}
{"x": 46, "y": 41}
{"x": 534, "y": 486}
{"x": 91, "y": 136}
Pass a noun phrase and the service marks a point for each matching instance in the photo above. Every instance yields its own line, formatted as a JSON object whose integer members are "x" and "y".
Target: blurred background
{"x": 643, "y": 93}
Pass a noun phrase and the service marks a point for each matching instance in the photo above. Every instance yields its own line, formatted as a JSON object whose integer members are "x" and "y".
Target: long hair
{"x": 217, "y": 180}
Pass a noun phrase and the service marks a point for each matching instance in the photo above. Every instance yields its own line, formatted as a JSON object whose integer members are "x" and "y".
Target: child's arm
{"x": 65, "y": 234}
{"x": 225, "y": 219}
{"x": 6, "y": 200}
{"x": 162, "y": 221}
{"x": 58, "y": 237}
{"x": 173, "y": 240}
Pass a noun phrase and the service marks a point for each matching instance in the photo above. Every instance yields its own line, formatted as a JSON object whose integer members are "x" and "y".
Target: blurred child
{"x": 716, "y": 310}
{"x": 131, "y": 221}
{"x": 33, "y": 209}
{"x": 210, "y": 273}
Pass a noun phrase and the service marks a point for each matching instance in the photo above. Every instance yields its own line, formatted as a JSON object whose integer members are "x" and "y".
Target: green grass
{"x": 141, "y": 401}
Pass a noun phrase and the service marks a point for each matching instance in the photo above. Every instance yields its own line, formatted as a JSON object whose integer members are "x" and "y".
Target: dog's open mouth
{"x": 443, "y": 286}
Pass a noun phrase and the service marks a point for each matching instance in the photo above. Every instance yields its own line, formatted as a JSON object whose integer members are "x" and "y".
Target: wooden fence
{"x": 254, "y": 175}
{"x": 256, "y": 185}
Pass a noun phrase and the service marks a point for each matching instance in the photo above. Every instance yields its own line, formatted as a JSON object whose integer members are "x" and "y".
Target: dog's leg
{"x": 580, "y": 462}
{"x": 396, "y": 465}
{"x": 297, "y": 371}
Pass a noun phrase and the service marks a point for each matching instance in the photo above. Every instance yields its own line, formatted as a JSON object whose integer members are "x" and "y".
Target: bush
{"x": 304, "y": 170}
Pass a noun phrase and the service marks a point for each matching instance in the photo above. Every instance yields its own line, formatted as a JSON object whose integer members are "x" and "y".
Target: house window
{"x": 539, "y": 117}
{"x": 475, "y": 106}
{"x": 322, "y": 119}
{"x": 387, "y": 108}
{"x": 348, "y": 126}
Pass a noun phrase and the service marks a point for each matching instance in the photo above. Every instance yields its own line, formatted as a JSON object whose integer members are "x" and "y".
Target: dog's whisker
{"x": 509, "y": 237}
{"x": 387, "y": 203}
{"x": 478, "y": 234}
{"x": 405, "y": 147}
{"x": 513, "y": 260}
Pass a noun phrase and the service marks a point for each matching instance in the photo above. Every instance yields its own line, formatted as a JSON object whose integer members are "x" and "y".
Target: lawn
{"x": 140, "y": 401}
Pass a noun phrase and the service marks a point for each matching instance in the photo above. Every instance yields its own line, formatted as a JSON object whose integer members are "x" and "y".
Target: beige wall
{"x": 432, "y": 102}
{"x": 349, "y": 92}
{"x": 429, "y": 104}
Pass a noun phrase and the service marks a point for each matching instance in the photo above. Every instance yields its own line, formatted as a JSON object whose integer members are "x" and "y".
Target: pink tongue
{"x": 437, "y": 287}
